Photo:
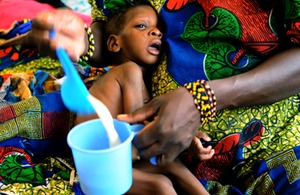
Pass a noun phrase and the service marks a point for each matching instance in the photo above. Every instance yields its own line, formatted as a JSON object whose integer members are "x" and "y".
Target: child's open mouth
{"x": 154, "y": 47}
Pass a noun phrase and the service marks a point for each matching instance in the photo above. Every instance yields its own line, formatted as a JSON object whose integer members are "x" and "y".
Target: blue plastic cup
{"x": 102, "y": 170}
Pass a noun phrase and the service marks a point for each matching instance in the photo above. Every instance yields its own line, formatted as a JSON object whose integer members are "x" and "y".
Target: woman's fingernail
{"x": 122, "y": 116}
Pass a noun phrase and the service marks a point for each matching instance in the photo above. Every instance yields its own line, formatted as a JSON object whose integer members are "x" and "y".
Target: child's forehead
{"x": 139, "y": 10}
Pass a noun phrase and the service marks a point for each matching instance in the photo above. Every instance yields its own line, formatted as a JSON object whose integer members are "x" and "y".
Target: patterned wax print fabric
{"x": 256, "y": 148}
{"x": 34, "y": 124}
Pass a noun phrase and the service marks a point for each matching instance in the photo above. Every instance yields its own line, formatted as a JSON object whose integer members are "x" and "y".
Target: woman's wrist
{"x": 204, "y": 99}
{"x": 90, "y": 45}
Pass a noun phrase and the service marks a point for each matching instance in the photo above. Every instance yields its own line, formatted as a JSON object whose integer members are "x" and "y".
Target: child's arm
{"x": 180, "y": 174}
{"x": 134, "y": 91}
{"x": 121, "y": 89}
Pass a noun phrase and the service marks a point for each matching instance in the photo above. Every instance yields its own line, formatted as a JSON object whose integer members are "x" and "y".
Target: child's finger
{"x": 197, "y": 150}
{"x": 203, "y": 135}
{"x": 206, "y": 156}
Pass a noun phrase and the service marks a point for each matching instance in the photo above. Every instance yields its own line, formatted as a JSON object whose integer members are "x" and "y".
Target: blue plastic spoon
{"x": 77, "y": 98}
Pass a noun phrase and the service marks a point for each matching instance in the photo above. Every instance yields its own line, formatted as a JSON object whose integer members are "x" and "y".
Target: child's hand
{"x": 197, "y": 150}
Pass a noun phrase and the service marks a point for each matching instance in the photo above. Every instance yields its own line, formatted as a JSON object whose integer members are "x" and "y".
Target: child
{"x": 134, "y": 40}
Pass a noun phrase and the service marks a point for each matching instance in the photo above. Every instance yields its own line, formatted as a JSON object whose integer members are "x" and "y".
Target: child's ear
{"x": 113, "y": 43}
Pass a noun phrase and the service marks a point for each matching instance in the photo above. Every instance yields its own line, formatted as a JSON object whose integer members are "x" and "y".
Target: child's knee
{"x": 162, "y": 185}
{"x": 151, "y": 183}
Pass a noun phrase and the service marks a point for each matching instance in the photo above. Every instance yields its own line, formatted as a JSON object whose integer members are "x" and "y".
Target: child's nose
{"x": 156, "y": 32}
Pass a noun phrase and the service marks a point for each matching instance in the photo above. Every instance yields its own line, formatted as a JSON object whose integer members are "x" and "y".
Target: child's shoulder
{"x": 128, "y": 67}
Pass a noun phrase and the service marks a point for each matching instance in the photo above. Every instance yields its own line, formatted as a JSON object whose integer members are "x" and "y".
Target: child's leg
{"x": 145, "y": 183}
{"x": 184, "y": 179}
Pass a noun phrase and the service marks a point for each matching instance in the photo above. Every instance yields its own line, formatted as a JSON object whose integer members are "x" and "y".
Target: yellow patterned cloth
{"x": 53, "y": 67}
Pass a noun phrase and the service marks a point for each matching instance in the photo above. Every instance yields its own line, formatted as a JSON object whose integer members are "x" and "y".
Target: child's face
{"x": 141, "y": 38}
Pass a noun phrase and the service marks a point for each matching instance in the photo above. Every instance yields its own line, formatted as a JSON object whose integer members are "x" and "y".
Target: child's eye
{"x": 141, "y": 26}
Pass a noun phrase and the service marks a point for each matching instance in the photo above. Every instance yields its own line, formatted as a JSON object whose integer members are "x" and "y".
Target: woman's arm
{"x": 275, "y": 79}
{"x": 97, "y": 60}
{"x": 176, "y": 119}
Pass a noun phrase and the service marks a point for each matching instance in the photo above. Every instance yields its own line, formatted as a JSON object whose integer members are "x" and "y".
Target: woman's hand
{"x": 175, "y": 123}
{"x": 69, "y": 29}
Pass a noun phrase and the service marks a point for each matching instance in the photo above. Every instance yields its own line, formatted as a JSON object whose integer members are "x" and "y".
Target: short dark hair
{"x": 116, "y": 20}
